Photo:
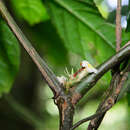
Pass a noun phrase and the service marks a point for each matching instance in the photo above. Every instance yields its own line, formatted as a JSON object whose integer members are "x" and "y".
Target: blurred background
{"x": 29, "y": 105}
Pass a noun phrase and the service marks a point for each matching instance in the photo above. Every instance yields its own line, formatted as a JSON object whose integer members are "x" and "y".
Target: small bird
{"x": 88, "y": 67}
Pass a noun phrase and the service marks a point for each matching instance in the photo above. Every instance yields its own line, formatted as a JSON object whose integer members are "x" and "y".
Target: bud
{"x": 88, "y": 67}
{"x": 62, "y": 79}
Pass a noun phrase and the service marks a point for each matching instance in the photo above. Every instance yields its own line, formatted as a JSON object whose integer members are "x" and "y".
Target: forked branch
{"x": 83, "y": 87}
{"x": 65, "y": 100}
{"x": 118, "y": 77}
{"x": 47, "y": 73}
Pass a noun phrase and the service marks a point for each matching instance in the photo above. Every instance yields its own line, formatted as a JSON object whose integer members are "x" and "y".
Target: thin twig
{"x": 118, "y": 25}
{"x": 65, "y": 104}
{"x": 94, "y": 124}
{"x": 83, "y": 87}
{"x": 117, "y": 80}
{"x": 122, "y": 80}
{"x": 42, "y": 66}
{"x": 62, "y": 100}
{"x": 88, "y": 118}
{"x": 117, "y": 83}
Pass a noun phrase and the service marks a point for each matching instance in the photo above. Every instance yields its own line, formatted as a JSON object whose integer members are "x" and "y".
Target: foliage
{"x": 60, "y": 28}
{"x": 128, "y": 22}
{"x": 9, "y": 58}
{"x": 75, "y": 22}
{"x": 33, "y": 11}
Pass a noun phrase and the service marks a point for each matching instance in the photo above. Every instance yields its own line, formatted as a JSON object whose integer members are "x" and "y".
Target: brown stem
{"x": 88, "y": 118}
{"x": 118, "y": 25}
{"x": 83, "y": 87}
{"x": 65, "y": 102}
{"x": 111, "y": 98}
{"x": 117, "y": 80}
{"x": 107, "y": 102}
{"x": 42, "y": 66}
{"x": 62, "y": 100}
{"x": 66, "y": 111}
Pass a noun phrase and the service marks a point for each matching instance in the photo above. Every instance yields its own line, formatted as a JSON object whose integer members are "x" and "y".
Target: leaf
{"x": 76, "y": 25}
{"x": 83, "y": 29}
{"x": 102, "y": 7}
{"x": 128, "y": 19}
{"x": 87, "y": 2}
{"x": 128, "y": 22}
{"x": 9, "y": 58}
{"x": 49, "y": 43}
{"x": 33, "y": 11}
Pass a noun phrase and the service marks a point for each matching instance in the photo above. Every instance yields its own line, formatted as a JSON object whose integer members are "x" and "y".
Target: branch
{"x": 83, "y": 87}
{"x": 88, "y": 118}
{"x": 42, "y": 66}
{"x": 117, "y": 80}
{"x": 106, "y": 104}
{"x": 118, "y": 25}
{"x": 61, "y": 99}
{"x": 94, "y": 124}
{"x": 117, "y": 83}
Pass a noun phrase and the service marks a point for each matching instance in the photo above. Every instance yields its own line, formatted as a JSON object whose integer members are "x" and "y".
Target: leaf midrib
{"x": 64, "y": 5}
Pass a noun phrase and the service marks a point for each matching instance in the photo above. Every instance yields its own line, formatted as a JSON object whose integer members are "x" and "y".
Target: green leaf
{"x": 88, "y": 2}
{"x": 128, "y": 19}
{"x": 9, "y": 58}
{"x": 49, "y": 44}
{"x": 128, "y": 22}
{"x": 33, "y": 11}
{"x": 80, "y": 32}
{"x": 102, "y": 7}
{"x": 82, "y": 28}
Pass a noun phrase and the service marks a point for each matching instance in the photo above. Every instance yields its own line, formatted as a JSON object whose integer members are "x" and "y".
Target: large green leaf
{"x": 49, "y": 44}
{"x": 9, "y": 58}
{"x": 33, "y": 11}
{"x": 82, "y": 28}
{"x": 76, "y": 25}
